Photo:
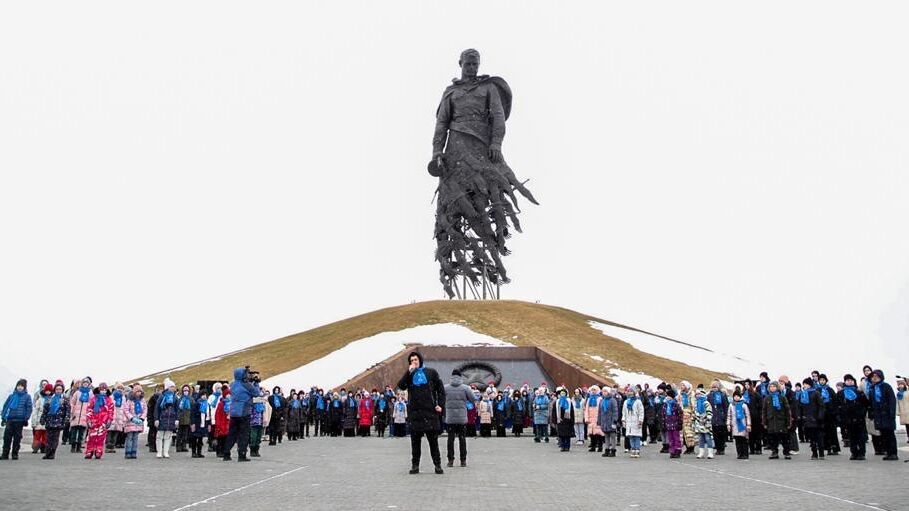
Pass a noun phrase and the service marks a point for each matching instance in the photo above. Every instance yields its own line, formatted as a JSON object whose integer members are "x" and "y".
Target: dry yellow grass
{"x": 562, "y": 331}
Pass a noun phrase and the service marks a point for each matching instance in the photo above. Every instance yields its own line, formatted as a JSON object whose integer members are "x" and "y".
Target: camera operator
{"x": 244, "y": 388}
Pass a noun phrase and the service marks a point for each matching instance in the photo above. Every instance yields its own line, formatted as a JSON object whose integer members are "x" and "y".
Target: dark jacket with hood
{"x": 883, "y": 404}
{"x": 424, "y": 393}
{"x": 457, "y": 395}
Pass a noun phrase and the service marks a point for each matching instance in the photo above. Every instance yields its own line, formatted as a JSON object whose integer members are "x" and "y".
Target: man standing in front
{"x": 457, "y": 398}
{"x": 426, "y": 398}
{"x": 244, "y": 388}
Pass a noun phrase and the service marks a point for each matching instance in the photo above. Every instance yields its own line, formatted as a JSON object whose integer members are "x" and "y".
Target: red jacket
{"x": 366, "y": 406}
{"x": 222, "y": 420}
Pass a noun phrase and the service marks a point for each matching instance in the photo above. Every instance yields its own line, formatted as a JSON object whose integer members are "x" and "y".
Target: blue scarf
{"x": 685, "y": 399}
{"x": 825, "y": 393}
{"x": 259, "y": 407}
{"x": 592, "y": 400}
{"x": 167, "y": 398}
{"x": 501, "y": 405}
{"x": 276, "y": 401}
{"x": 470, "y": 405}
{"x": 203, "y": 406}
{"x": 226, "y": 400}
{"x": 55, "y": 403}
{"x": 604, "y": 403}
{"x": 351, "y": 402}
{"x": 564, "y": 404}
{"x": 382, "y": 405}
{"x": 899, "y": 394}
{"x": 520, "y": 405}
{"x": 740, "y": 415}
{"x": 336, "y": 403}
{"x": 118, "y": 398}
{"x": 877, "y": 393}
{"x": 320, "y": 403}
{"x": 763, "y": 389}
{"x": 400, "y": 406}
{"x": 137, "y": 406}
{"x": 419, "y": 377}
{"x": 717, "y": 397}
{"x": 100, "y": 400}
{"x": 746, "y": 397}
{"x": 84, "y": 394}
{"x": 776, "y": 400}
{"x": 540, "y": 401}
{"x": 670, "y": 407}
{"x": 186, "y": 403}
{"x": 578, "y": 402}
{"x": 805, "y": 395}
{"x": 629, "y": 403}
{"x": 14, "y": 402}
{"x": 295, "y": 403}
{"x": 849, "y": 393}
{"x": 701, "y": 404}
{"x": 368, "y": 403}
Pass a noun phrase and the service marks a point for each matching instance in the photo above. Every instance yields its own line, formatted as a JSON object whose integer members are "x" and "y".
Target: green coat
{"x": 776, "y": 421}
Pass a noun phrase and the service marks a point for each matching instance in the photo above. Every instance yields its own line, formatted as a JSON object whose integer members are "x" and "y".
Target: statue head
{"x": 469, "y": 63}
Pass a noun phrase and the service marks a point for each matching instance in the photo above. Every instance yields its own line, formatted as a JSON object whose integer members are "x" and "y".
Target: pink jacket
{"x": 104, "y": 415}
{"x": 78, "y": 410}
{"x": 129, "y": 412}
{"x": 590, "y": 417}
{"x": 119, "y": 415}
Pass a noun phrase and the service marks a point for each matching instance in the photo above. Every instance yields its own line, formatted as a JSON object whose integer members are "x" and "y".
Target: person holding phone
{"x": 426, "y": 394}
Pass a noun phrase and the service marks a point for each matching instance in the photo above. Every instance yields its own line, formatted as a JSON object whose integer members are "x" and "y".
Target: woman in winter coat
{"x": 499, "y": 415}
{"x": 54, "y": 416}
{"x": 78, "y": 405}
{"x": 686, "y": 400}
{"x": 336, "y": 414}
{"x": 485, "y": 412}
{"x": 565, "y": 416}
{"x": 294, "y": 415}
{"x": 518, "y": 412}
{"x": 633, "y": 421}
{"x": 222, "y": 420}
{"x": 776, "y": 420}
{"x": 902, "y": 403}
{"x": 116, "y": 427}
{"x": 540, "y": 416}
{"x": 608, "y": 421}
{"x": 755, "y": 403}
{"x": 382, "y": 414}
{"x": 350, "y": 415}
{"x": 738, "y": 421}
{"x": 703, "y": 425}
{"x": 673, "y": 422}
{"x": 98, "y": 419}
{"x": 578, "y": 402}
{"x": 812, "y": 413}
{"x": 365, "y": 413}
{"x": 591, "y": 413}
{"x": 277, "y": 423}
{"x": 883, "y": 410}
{"x": 135, "y": 412}
{"x": 198, "y": 424}
{"x": 166, "y": 410}
{"x": 39, "y": 433}
{"x": 399, "y": 416}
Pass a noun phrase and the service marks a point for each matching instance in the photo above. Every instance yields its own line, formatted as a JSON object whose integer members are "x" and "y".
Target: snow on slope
{"x": 358, "y": 356}
{"x": 687, "y": 354}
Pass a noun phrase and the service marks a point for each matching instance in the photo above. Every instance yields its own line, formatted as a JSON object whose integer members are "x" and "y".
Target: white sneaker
{"x": 159, "y": 455}
{"x": 166, "y": 455}
{"x": 709, "y": 453}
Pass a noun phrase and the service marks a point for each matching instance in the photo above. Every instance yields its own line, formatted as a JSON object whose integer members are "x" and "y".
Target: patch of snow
{"x": 146, "y": 382}
{"x": 623, "y": 377}
{"x": 212, "y": 359}
{"x": 685, "y": 353}
{"x": 597, "y": 358}
{"x": 357, "y": 356}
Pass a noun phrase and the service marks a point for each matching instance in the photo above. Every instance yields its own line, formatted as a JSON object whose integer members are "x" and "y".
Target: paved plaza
{"x": 503, "y": 474}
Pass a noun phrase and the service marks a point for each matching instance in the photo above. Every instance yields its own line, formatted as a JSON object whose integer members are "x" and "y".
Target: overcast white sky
{"x": 179, "y": 180}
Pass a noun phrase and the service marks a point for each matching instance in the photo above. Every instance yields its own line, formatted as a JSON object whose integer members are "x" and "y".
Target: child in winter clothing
{"x": 39, "y": 433}
{"x": 578, "y": 402}
{"x": 811, "y": 412}
{"x": 633, "y": 422}
{"x": 686, "y": 400}
{"x": 166, "y": 420}
{"x": 608, "y": 417}
{"x": 883, "y": 410}
{"x": 116, "y": 428}
{"x": 257, "y": 423}
{"x": 703, "y": 425}
{"x": 98, "y": 419}
{"x": 776, "y": 420}
{"x": 135, "y": 412}
{"x": 184, "y": 417}
{"x": 78, "y": 405}
{"x": 382, "y": 414}
{"x": 198, "y": 424}
{"x": 54, "y": 416}
{"x": 294, "y": 415}
{"x": 719, "y": 401}
{"x": 213, "y": 400}
{"x": 673, "y": 423}
{"x": 540, "y": 417}
{"x": 17, "y": 409}
{"x": 276, "y": 424}
{"x": 400, "y": 416}
{"x": 222, "y": 420}
{"x": 853, "y": 405}
{"x": 738, "y": 421}
{"x": 566, "y": 420}
{"x": 591, "y": 414}
{"x": 364, "y": 412}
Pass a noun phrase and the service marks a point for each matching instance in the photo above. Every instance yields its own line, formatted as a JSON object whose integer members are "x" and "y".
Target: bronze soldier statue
{"x": 476, "y": 200}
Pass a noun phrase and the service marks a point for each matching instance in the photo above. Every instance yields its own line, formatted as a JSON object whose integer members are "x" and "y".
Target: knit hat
{"x": 849, "y": 377}
{"x": 59, "y": 384}
{"x": 48, "y": 387}
{"x": 168, "y": 383}
{"x": 225, "y": 390}
{"x": 102, "y": 386}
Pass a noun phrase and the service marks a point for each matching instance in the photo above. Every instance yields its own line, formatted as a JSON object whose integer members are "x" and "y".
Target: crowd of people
{"x": 755, "y": 416}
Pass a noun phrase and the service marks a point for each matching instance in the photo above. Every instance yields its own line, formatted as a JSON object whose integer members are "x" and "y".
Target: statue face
{"x": 470, "y": 65}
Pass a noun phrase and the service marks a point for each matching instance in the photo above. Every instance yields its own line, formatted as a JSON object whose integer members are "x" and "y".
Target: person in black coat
{"x": 883, "y": 411}
{"x": 853, "y": 406}
{"x": 828, "y": 396}
{"x": 278, "y": 404}
{"x": 426, "y": 400}
{"x": 565, "y": 417}
{"x": 499, "y": 415}
{"x": 812, "y": 412}
{"x": 755, "y": 403}
{"x": 151, "y": 417}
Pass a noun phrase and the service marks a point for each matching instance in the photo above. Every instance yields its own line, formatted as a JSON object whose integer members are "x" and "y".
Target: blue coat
{"x": 883, "y": 408}
{"x": 22, "y": 409}
{"x": 719, "y": 410}
{"x": 541, "y": 410}
{"x": 608, "y": 414}
{"x": 242, "y": 394}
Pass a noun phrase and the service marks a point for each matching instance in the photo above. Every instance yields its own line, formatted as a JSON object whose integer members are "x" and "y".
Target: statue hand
{"x": 495, "y": 155}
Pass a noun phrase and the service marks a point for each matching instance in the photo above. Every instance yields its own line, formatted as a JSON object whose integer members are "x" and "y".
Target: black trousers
{"x": 237, "y": 433}
{"x": 53, "y": 440}
{"x": 888, "y": 441}
{"x": 815, "y": 437}
{"x": 858, "y": 437}
{"x": 77, "y": 434}
{"x": 719, "y": 438}
{"x": 831, "y": 440}
{"x": 152, "y": 438}
{"x": 12, "y": 437}
{"x": 457, "y": 430}
{"x": 741, "y": 446}
{"x": 433, "y": 438}
{"x": 486, "y": 430}
{"x": 779, "y": 438}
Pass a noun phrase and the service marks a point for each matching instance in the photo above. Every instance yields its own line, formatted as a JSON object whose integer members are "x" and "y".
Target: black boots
{"x": 439, "y": 470}
{"x": 254, "y": 452}
{"x": 450, "y": 463}
{"x": 414, "y": 469}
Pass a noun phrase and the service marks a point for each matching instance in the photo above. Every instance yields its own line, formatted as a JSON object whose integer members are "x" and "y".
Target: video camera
{"x": 252, "y": 376}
